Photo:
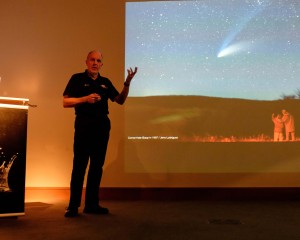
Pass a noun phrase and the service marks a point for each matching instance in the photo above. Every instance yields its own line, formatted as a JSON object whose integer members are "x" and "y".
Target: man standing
{"x": 88, "y": 92}
{"x": 289, "y": 125}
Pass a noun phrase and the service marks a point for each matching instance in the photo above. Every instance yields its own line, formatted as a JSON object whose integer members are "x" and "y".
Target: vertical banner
{"x": 13, "y": 138}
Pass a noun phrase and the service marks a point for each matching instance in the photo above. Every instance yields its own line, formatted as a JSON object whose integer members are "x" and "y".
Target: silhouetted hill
{"x": 204, "y": 116}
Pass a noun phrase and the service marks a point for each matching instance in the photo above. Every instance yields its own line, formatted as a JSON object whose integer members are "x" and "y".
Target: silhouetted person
{"x": 289, "y": 125}
{"x": 88, "y": 92}
{"x": 278, "y": 127}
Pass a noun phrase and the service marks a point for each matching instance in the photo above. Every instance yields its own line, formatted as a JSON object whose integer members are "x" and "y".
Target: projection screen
{"x": 217, "y": 89}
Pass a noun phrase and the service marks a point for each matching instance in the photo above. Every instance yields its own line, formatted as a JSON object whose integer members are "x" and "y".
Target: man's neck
{"x": 93, "y": 75}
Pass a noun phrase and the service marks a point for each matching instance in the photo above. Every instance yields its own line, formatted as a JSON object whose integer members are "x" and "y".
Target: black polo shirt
{"x": 81, "y": 85}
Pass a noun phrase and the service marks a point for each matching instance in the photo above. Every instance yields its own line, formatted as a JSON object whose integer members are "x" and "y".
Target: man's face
{"x": 94, "y": 62}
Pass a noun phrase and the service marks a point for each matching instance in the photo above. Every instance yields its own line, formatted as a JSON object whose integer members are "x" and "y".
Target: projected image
{"x": 214, "y": 71}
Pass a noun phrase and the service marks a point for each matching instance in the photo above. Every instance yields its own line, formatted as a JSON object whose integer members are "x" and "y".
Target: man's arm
{"x": 121, "y": 98}
{"x": 69, "y": 102}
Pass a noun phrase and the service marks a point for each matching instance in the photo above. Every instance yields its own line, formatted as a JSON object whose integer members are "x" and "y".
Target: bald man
{"x": 88, "y": 93}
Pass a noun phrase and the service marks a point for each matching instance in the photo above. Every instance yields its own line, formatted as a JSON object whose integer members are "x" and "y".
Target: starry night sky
{"x": 246, "y": 49}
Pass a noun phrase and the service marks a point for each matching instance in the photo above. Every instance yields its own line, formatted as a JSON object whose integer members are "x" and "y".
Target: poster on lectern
{"x": 13, "y": 136}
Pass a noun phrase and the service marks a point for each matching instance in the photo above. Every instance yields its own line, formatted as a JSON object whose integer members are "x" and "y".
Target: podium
{"x": 13, "y": 138}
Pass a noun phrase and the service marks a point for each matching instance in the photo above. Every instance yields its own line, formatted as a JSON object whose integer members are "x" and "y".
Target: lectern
{"x": 13, "y": 138}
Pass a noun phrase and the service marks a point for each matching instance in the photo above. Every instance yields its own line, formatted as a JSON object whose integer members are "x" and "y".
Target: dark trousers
{"x": 90, "y": 145}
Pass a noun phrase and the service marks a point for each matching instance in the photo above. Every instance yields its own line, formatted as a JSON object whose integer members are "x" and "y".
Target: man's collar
{"x": 91, "y": 76}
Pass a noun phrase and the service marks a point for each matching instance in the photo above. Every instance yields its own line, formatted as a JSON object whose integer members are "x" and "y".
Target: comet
{"x": 227, "y": 47}
{"x": 235, "y": 48}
